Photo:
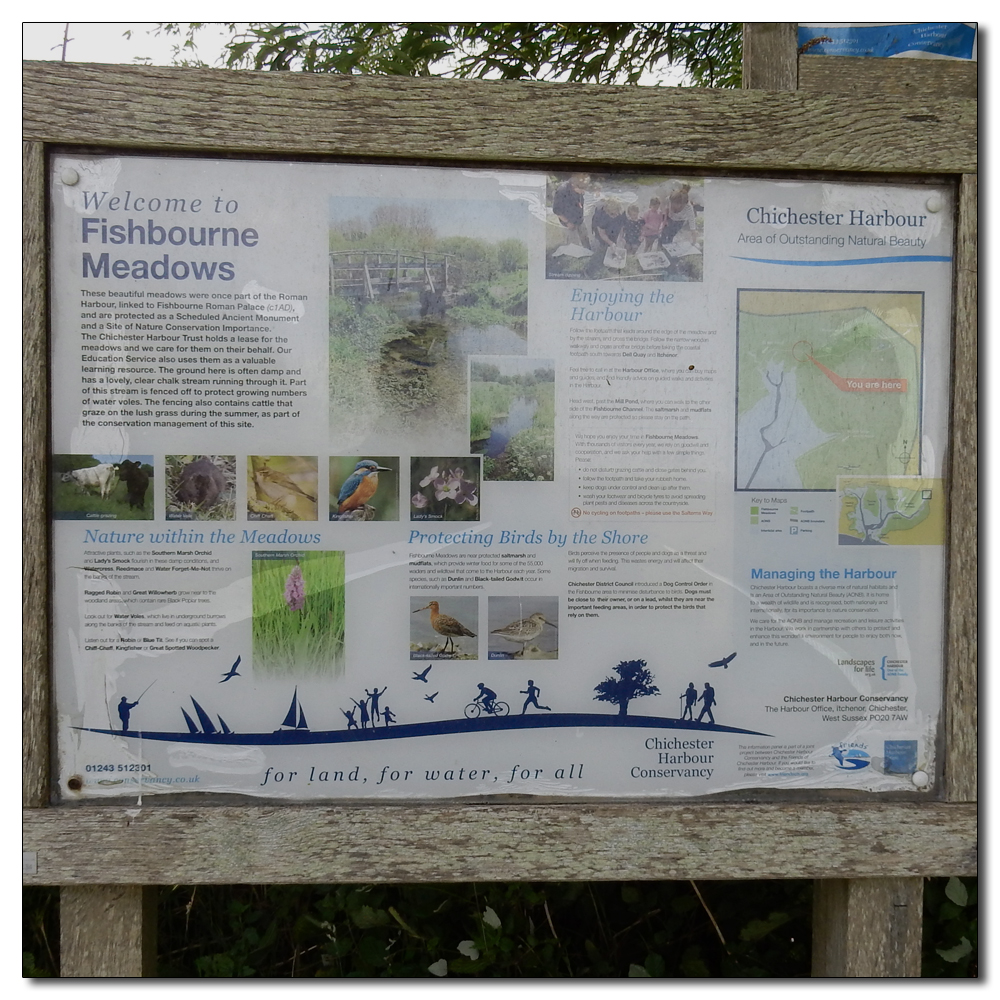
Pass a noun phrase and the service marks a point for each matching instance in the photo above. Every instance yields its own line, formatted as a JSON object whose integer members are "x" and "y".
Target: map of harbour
{"x": 891, "y": 511}
{"x": 828, "y": 385}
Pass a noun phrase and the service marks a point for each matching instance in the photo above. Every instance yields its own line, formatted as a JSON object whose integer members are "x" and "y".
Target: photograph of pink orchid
{"x": 445, "y": 489}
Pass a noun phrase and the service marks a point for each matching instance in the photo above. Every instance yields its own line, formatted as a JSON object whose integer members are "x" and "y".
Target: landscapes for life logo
{"x": 851, "y": 758}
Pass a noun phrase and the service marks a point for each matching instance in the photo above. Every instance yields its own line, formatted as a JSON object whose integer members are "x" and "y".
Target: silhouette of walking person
{"x": 533, "y": 692}
{"x": 387, "y": 715}
{"x": 690, "y": 697}
{"x": 374, "y": 696}
{"x": 124, "y": 708}
{"x": 352, "y": 723}
{"x": 708, "y": 697}
{"x": 363, "y": 710}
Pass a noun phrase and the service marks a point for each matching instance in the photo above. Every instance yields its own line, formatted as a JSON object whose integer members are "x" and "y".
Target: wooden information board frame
{"x": 868, "y": 854}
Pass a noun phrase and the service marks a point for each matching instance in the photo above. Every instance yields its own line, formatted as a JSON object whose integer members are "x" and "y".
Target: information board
{"x": 404, "y": 482}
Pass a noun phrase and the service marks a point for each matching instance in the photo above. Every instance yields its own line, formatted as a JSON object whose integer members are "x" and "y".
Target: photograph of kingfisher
{"x": 353, "y": 485}
{"x": 423, "y": 639}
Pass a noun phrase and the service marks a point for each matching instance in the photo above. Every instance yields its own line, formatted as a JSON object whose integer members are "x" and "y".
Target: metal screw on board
{"x": 921, "y": 779}
{"x": 69, "y": 176}
{"x": 934, "y": 203}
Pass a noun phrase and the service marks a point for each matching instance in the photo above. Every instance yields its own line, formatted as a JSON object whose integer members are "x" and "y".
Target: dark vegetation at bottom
{"x": 519, "y": 930}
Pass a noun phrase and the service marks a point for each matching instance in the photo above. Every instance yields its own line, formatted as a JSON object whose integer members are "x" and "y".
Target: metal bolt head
{"x": 69, "y": 176}
{"x": 921, "y": 779}
{"x": 935, "y": 203}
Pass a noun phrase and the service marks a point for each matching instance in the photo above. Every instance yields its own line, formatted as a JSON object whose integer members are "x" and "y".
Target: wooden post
{"x": 107, "y": 931}
{"x": 770, "y": 57}
{"x": 867, "y": 927}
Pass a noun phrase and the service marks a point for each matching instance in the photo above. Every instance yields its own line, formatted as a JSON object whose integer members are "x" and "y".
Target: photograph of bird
{"x": 523, "y": 631}
{"x": 431, "y": 697}
{"x": 445, "y": 625}
{"x": 232, "y": 671}
{"x": 422, "y": 675}
{"x": 360, "y": 486}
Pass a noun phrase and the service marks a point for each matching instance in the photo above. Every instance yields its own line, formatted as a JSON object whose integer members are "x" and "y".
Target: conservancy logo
{"x": 851, "y": 758}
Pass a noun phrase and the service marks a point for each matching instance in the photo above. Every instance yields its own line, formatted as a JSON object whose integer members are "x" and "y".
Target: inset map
{"x": 828, "y": 385}
{"x": 891, "y": 510}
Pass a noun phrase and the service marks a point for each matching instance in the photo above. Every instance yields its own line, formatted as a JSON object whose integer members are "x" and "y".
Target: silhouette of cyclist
{"x": 487, "y": 697}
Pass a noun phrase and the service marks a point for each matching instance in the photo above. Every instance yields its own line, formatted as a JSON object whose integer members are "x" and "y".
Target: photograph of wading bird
{"x": 445, "y": 625}
{"x": 357, "y": 490}
{"x": 523, "y": 631}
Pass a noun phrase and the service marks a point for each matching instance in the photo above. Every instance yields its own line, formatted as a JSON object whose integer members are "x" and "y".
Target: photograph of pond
{"x": 416, "y": 286}
{"x": 512, "y": 417}
{"x": 621, "y": 226}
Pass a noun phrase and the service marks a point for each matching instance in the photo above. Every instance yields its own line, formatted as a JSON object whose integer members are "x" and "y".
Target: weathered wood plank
{"x": 107, "y": 931}
{"x": 469, "y": 841}
{"x": 961, "y": 720}
{"x": 35, "y": 528}
{"x": 867, "y": 927}
{"x": 856, "y": 75}
{"x": 770, "y": 57}
{"x": 167, "y": 109}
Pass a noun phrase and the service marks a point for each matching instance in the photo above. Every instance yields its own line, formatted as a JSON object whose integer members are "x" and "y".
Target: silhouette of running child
{"x": 487, "y": 697}
{"x": 387, "y": 715}
{"x": 124, "y": 708}
{"x": 352, "y": 723}
{"x": 533, "y": 692}
{"x": 690, "y": 697}
{"x": 708, "y": 697}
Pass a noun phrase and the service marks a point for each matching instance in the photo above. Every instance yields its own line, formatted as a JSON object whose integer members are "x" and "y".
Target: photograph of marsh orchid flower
{"x": 298, "y": 613}
{"x": 445, "y": 489}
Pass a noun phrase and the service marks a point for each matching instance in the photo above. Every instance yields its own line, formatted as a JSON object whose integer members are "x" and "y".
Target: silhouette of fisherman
{"x": 487, "y": 697}
{"x": 124, "y": 708}
{"x": 375, "y": 695}
{"x": 690, "y": 697}
{"x": 363, "y": 709}
{"x": 387, "y": 715}
{"x": 352, "y": 723}
{"x": 708, "y": 697}
{"x": 533, "y": 692}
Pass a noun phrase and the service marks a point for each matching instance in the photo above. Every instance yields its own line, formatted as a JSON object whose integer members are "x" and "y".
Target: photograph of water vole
{"x": 417, "y": 286}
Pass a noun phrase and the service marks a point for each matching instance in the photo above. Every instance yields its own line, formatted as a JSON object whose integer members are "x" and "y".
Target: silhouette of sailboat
{"x": 192, "y": 728}
{"x": 207, "y": 725}
{"x": 226, "y": 731}
{"x": 295, "y": 717}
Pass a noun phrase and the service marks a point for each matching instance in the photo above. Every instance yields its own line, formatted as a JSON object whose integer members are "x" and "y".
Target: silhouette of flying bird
{"x": 232, "y": 671}
{"x": 422, "y": 676}
{"x": 431, "y": 697}
{"x": 360, "y": 486}
{"x": 724, "y": 662}
{"x": 445, "y": 625}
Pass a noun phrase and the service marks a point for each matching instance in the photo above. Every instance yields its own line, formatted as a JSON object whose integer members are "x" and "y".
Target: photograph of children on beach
{"x": 416, "y": 286}
{"x": 624, "y": 227}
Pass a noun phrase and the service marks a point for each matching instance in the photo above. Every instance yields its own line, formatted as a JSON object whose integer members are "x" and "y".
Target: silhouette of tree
{"x": 634, "y": 680}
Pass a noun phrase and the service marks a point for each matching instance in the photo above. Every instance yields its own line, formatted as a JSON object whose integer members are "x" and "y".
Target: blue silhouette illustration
{"x": 486, "y": 701}
{"x": 363, "y": 710}
{"x": 374, "y": 697}
{"x": 850, "y": 759}
{"x": 431, "y": 697}
{"x": 232, "y": 671}
{"x": 124, "y": 710}
{"x": 387, "y": 715}
{"x": 533, "y": 692}
{"x": 422, "y": 676}
{"x": 708, "y": 700}
{"x": 295, "y": 718}
{"x": 690, "y": 698}
{"x": 724, "y": 662}
{"x": 634, "y": 680}
{"x": 352, "y": 723}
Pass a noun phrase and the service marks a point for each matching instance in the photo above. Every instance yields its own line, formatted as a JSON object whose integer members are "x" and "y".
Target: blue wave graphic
{"x": 905, "y": 259}
{"x": 297, "y": 737}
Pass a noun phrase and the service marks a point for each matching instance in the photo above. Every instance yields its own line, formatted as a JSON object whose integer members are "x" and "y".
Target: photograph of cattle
{"x": 102, "y": 487}
{"x": 200, "y": 487}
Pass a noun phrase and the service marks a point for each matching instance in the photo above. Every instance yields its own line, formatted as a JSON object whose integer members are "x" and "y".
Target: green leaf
{"x": 955, "y": 890}
{"x": 637, "y": 972}
{"x": 756, "y": 929}
{"x": 366, "y": 916}
{"x": 957, "y": 953}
